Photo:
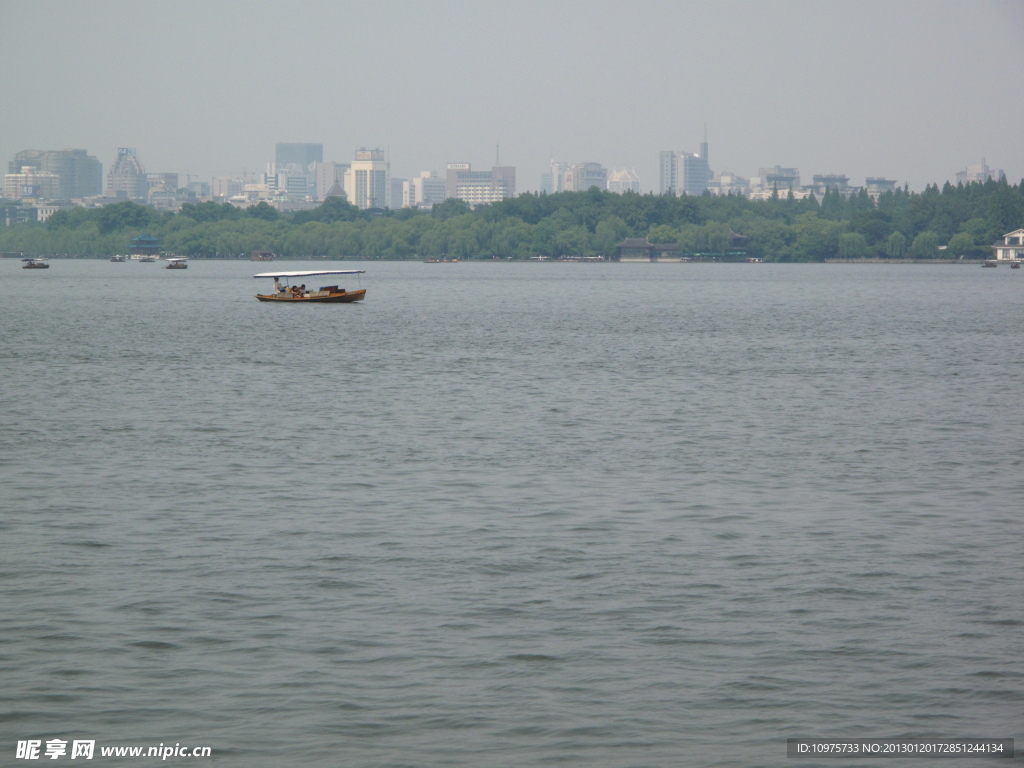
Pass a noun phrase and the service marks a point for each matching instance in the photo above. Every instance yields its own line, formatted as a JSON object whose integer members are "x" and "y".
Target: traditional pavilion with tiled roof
{"x": 146, "y": 245}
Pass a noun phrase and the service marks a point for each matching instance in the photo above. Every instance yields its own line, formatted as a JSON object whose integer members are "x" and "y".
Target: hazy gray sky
{"x": 912, "y": 90}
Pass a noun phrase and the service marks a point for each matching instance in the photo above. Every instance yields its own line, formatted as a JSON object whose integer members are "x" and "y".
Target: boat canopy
{"x": 315, "y": 272}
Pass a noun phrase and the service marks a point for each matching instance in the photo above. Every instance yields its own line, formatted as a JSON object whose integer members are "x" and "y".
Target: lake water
{"x": 511, "y": 514}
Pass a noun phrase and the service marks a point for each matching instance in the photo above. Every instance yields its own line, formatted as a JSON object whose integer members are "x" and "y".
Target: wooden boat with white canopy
{"x": 328, "y": 293}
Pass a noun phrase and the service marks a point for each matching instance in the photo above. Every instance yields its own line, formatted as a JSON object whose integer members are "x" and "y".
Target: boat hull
{"x": 319, "y": 297}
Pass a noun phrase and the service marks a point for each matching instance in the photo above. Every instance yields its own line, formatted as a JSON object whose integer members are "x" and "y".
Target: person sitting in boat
{"x": 278, "y": 286}
{"x": 302, "y": 290}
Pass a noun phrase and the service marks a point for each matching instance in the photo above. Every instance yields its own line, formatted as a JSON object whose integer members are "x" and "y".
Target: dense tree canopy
{"x": 964, "y": 220}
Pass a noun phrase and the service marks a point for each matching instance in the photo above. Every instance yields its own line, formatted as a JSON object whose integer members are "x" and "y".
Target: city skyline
{"x": 681, "y": 173}
{"x": 913, "y": 91}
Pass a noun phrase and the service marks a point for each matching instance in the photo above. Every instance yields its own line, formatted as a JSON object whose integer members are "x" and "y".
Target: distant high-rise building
{"x": 685, "y": 173}
{"x": 166, "y": 180}
{"x": 199, "y": 189}
{"x": 367, "y": 181}
{"x": 397, "y": 192}
{"x": 835, "y": 182}
{"x": 979, "y": 173}
{"x": 878, "y": 186}
{"x": 27, "y": 158}
{"x": 299, "y": 162}
{"x": 582, "y": 176}
{"x": 224, "y": 187}
{"x": 301, "y": 156}
{"x": 127, "y": 177}
{"x": 32, "y": 183}
{"x": 79, "y": 173}
{"x": 329, "y": 176}
{"x": 624, "y": 181}
{"x": 553, "y": 181}
{"x": 777, "y": 177}
{"x": 424, "y": 191}
{"x": 726, "y": 183}
{"x": 479, "y": 187}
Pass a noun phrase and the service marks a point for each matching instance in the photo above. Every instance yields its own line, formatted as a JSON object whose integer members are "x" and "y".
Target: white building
{"x": 224, "y": 187}
{"x": 1012, "y": 247}
{"x": 573, "y": 177}
{"x": 368, "y": 180}
{"x": 479, "y": 187}
{"x": 423, "y": 191}
{"x": 836, "y": 182}
{"x": 979, "y": 173}
{"x": 768, "y": 180}
{"x": 45, "y": 211}
{"x": 726, "y": 183}
{"x": 685, "y": 173}
{"x": 624, "y": 181}
{"x": 553, "y": 181}
{"x": 32, "y": 183}
{"x": 877, "y": 186}
{"x": 582, "y": 176}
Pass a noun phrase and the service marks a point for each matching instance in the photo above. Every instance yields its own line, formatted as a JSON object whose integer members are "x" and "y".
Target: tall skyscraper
{"x": 298, "y": 161}
{"x": 582, "y": 176}
{"x": 299, "y": 156}
{"x": 127, "y": 177}
{"x": 685, "y": 172}
{"x": 553, "y": 181}
{"x": 368, "y": 180}
{"x": 574, "y": 177}
{"x": 79, "y": 173}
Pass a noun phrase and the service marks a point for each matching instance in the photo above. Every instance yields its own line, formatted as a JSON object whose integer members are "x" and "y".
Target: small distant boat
{"x": 177, "y": 263}
{"x": 36, "y": 263}
{"x": 990, "y": 264}
{"x": 262, "y": 256}
{"x": 1015, "y": 265}
{"x": 332, "y": 294}
{"x": 120, "y": 259}
{"x": 145, "y": 259}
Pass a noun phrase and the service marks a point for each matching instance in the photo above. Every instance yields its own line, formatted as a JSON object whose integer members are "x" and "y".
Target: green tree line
{"x": 966, "y": 219}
